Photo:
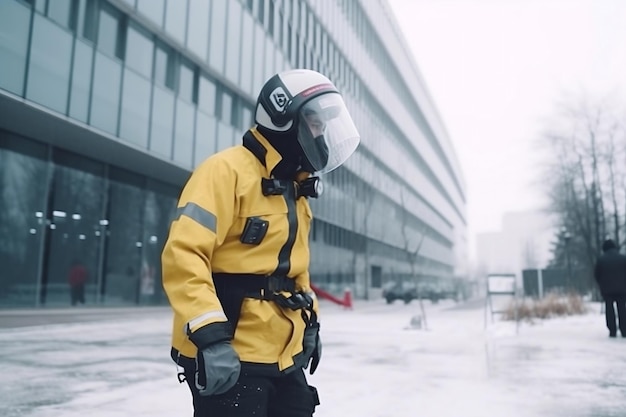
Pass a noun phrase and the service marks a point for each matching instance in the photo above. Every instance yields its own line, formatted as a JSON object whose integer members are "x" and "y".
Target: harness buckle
{"x": 273, "y": 186}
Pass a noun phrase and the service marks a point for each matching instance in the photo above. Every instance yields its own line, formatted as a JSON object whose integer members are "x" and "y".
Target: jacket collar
{"x": 260, "y": 147}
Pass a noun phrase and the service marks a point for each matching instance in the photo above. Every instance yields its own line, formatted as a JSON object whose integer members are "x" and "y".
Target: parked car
{"x": 408, "y": 291}
{"x": 395, "y": 290}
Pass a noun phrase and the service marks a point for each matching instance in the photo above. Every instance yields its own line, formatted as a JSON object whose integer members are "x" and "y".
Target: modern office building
{"x": 107, "y": 105}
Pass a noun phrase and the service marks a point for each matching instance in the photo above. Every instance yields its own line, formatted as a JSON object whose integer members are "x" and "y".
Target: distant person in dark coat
{"x": 610, "y": 273}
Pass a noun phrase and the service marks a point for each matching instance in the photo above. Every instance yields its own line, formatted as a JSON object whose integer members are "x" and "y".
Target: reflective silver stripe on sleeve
{"x": 208, "y": 315}
{"x": 197, "y": 213}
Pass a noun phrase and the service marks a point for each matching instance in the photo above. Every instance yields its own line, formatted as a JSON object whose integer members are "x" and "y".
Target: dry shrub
{"x": 552, "y": 305}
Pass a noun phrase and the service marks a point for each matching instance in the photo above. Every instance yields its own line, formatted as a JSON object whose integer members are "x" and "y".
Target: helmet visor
{"x": 326, "y": 132}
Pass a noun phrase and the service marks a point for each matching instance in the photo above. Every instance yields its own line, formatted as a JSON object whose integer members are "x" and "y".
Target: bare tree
{"x": 413, "y": 240}
{"x": 585, "y": 178}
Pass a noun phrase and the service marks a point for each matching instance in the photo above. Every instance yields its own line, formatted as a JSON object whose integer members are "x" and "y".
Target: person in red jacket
{"x": 77, "y": 279}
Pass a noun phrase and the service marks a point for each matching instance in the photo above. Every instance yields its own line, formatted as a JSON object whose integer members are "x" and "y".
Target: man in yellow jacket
{"x": 235, "y": 265}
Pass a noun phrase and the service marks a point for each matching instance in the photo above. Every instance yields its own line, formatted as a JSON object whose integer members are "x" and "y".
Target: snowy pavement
{"x": 374, "y": 364}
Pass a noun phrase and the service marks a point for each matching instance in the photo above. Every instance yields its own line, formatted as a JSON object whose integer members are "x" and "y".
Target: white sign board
{"x": 501, "y": 284}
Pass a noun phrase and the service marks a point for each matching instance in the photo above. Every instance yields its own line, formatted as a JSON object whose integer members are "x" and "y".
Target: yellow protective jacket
{"x": 204, "y": 239}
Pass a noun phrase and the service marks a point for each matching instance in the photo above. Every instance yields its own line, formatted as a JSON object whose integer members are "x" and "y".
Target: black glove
{"x": 217, "y": 363}
{"x": 312, "y": 345}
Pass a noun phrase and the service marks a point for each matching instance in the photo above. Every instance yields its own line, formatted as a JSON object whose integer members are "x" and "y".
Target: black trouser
{"x": 77, "y": 294}
{"x": 609, "y": 312}
{"x": 257, "y": 396}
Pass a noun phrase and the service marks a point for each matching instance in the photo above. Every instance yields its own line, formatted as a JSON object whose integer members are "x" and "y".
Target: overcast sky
{"x": 496, "y": 68}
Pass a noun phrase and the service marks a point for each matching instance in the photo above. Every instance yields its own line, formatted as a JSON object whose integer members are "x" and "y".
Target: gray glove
{"x": 312, "y": 347}
{"x": 217, "y": 369}
{"x": 217, "y": 363}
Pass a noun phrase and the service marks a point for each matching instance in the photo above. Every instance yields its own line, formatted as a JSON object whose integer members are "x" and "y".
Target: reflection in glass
{"x": 81, "y": 78}
{"x": 106, "y": 93}
{"x": 183, "y": 136}
{"x": 160, "y": 208}
{"x": 14, "y": 28}
{"x": 73, "y": 253}
{"x": 135, "y": 112}
{"x": 23, "y": 190}
{"x": 162, "y": 121}
{"x": 197, "y": 28}
{"x": 123, "y": 259}
{"x": 49, "y": 68}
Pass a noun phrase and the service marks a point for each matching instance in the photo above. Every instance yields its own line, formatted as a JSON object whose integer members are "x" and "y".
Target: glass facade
{"x": 59, "y": 209}
{"x": 173, "y": 81}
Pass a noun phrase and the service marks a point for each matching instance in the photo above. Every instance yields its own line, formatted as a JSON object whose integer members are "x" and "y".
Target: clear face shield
{"x": 326, "y": 133}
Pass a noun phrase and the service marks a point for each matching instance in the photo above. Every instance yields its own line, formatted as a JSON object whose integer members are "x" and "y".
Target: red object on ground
{"x": 347, "y": 296}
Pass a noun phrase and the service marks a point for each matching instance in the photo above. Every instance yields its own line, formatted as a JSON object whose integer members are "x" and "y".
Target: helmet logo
{"x": 279, "y": 99}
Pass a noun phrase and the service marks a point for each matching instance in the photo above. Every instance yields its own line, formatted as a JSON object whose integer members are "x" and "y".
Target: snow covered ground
{"x": 374, "y": 364}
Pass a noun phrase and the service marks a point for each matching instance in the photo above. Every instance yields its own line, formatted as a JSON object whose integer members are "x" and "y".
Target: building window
{"x": 246, "y": 117}
{"x": 186, "y": 82}
{"x": 60, "y": 11}
{"x": 227, "y": 108}
{"x": 135, "y": 114}
{"x": 105, "y": 97}
{"x": 14, "y": 29}
{"x": 109, "y": 33}
{"x": 164, "y": 66}
{"x": 261, "y": 11}
{"x": 233, "y": 42}
{"x": 197, "y": 28}
{"x": 81, "y": 80}
{"x": 176, "y": 19}
{"x": 270, "y": 18}
{"x": 153, "y": 9}
{"x": 207, "y": 93}
{"x": 139, "y": 51}
{"x": 50, "y": 62}
{"x": 218, "y": 34}
{"x": 162, "y": 121}
{"x": 184, "y": 133}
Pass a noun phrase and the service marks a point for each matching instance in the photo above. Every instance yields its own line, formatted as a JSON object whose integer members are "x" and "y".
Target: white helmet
{"x": 309, "y": 103}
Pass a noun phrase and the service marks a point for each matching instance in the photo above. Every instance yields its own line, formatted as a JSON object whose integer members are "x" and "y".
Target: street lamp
{"x": 566, "y": 238}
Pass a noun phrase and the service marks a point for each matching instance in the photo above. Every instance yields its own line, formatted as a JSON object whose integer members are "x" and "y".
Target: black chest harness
{"x": 233, "y": 288}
